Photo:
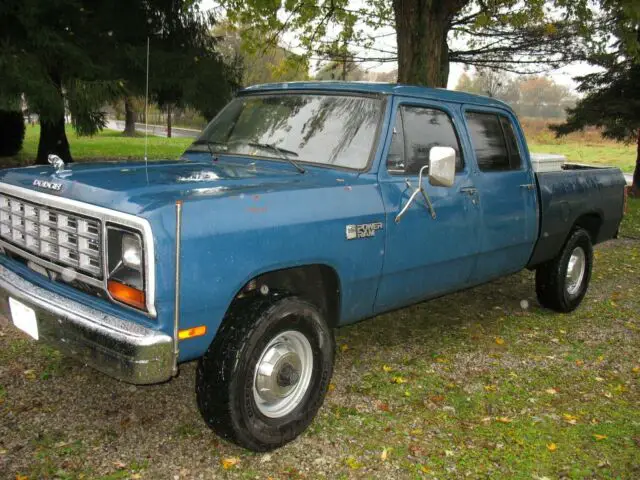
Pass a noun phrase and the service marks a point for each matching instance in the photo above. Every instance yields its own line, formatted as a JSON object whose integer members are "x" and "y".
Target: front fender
{"x": 228, "y": 241}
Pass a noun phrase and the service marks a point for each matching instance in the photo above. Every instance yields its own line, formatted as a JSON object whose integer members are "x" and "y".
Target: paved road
{"x": 156, "y": 130}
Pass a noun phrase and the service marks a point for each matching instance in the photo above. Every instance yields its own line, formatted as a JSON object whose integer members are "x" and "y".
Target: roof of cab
{"x": 439, "y": 94}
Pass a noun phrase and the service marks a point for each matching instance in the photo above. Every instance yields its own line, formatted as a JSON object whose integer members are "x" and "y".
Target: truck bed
{"x": 591, "y": 197}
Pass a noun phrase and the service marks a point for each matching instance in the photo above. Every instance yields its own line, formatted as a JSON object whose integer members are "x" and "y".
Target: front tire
{"x": 562, "y": 283}
{"x": 267, "y": 372}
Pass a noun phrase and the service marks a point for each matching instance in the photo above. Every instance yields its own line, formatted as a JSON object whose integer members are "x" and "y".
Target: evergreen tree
{"x": 612, "y": 97}
{"x": 76, "y": 55}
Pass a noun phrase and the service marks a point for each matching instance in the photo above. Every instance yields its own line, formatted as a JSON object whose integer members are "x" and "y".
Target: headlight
{"x": 131, "y": 251}
{"x": 125, "y": 281}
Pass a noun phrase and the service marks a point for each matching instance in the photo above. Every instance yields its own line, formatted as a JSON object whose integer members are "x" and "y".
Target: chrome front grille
{"x": 54, "y": 235}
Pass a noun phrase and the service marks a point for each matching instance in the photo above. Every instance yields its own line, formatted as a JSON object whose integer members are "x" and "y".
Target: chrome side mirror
{"x": 442, "y": 166}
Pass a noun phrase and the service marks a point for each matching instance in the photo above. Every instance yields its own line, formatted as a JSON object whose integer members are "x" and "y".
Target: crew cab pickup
{"x": 300, "y": 208}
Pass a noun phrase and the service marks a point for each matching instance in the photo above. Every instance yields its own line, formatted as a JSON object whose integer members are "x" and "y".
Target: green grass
{"x": 110, "y": 145}
{"x": 607, "y": 154}
{"x": 631, "y": 223}
{"x": 107, "y": 145}
{"x": 471, "y": 385}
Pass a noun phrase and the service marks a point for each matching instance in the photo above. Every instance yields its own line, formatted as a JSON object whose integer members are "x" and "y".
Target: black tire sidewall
{"x": 247, "y": 425}
{"x": 579, "y": 238}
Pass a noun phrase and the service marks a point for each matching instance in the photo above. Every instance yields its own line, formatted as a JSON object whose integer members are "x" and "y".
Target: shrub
{"x": 11, "y": 132}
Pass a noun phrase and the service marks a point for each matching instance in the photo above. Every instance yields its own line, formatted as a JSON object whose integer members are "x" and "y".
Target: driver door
{"x": 425, "y": 257}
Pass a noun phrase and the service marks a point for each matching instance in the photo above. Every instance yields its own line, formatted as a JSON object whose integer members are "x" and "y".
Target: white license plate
{"x": 24, "y": 318}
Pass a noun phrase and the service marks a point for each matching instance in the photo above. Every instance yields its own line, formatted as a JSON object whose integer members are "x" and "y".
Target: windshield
{"x": 336, "y": 130}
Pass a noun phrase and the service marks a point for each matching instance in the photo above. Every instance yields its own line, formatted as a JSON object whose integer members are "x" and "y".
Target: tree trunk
{"x": 635, "y": 187}
{"x": 169, "y": 121}
{"x": 422, "y": 27}
{"x": 129, "y": 118}
{"x": 53, "y": 138}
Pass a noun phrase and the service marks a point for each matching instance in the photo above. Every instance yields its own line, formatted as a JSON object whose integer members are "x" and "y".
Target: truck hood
{"x": 132, "y": 187}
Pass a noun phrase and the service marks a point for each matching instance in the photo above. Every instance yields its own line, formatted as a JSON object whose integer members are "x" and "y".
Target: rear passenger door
{"x": 507, "y": 194}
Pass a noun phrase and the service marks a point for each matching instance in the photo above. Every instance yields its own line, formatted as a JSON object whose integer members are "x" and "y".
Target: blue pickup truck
{"x": 300, "y": 208}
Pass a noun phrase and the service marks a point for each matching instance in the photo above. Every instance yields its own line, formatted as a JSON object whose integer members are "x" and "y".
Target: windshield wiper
{"x": 209, "y": 144}
{"x": 284, "y": 153}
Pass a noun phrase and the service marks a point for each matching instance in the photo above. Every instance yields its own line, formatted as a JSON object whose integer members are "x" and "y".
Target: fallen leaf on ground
{"x": 599, "y": 437}
{"x": 387, "y": 368}
{"x": 415, "y": 450}
{"x": 552, "y": 447}
{"x": 332, "y": 387}
{"x": 635, "y": 369}
{"x": 570, "y": 419}
{"x": 384, "y": 454}
{"x": 21, "y": 477}
{"x": 29, "y": 374}
{"x": 503, "y": 420}
{"x": 344, "y": 347}
{"x": 551, "y": 391}
{"x": 437, "y": 398}
{"x": 500, "y": 340}
{"x": 229, "y": 462}
{"x": 398, "y": 380}
{"x": 425, "y": 469}
{"x": 352, "y": 463}
{"x": 384, "y": 407}
{"x": 119, "y": 465}
{"x": 490, "y": 388}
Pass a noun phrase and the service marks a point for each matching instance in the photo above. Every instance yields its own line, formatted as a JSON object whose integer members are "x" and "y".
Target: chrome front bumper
{"x": 120, "y": 348}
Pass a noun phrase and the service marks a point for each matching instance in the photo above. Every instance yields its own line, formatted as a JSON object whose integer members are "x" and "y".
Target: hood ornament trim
{"x": 56, "y": 162}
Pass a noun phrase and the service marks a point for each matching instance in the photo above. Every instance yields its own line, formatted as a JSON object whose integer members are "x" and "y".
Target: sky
{"x": 562, "y": 76}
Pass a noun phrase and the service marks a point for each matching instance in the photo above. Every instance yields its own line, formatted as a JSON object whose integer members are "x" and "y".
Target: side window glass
{"x": 488, "y": 141}
{"x": 424, "y": 128}
{"x": 512, "y": 143}
{"x": 395, "y": 157}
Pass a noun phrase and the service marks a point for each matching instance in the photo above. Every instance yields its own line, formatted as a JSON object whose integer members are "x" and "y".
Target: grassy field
{"x": 588, "y": 147}
{"x": 479, "y": 384}
{"x": 108, "y": 145}
{"x": 584, "y": 147}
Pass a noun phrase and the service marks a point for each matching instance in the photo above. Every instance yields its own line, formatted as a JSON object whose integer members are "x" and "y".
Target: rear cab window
{"x": 494, "y": 141}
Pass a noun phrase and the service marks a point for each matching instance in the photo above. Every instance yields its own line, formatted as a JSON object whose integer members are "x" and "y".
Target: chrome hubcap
{"x": 283, "y": 374}
{"x": 575, "y": 270}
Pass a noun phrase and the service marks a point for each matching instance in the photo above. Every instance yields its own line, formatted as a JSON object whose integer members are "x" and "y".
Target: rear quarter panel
{"x": 567, "y": 195}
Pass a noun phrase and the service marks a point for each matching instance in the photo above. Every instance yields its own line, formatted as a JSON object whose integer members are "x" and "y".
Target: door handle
{"x": 469, "y": 190}
{"x": 528, "y": 186}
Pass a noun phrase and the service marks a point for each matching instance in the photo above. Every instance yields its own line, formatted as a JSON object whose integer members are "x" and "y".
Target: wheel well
{"x": 318, "y": 284}
{"x": 591, "y": 222}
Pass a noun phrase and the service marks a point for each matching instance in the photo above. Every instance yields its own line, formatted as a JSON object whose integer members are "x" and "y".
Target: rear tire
{"x": 267, "y": 372}
{"x": 562, "y": 283}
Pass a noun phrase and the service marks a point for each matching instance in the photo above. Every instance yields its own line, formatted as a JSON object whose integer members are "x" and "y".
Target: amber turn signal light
{"x": 192, "y": 332}
{"x": 126, "y": 294}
